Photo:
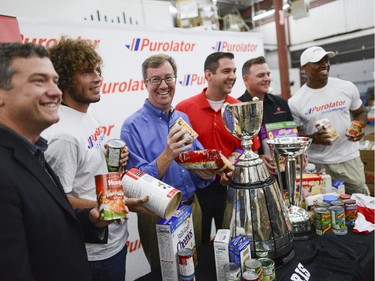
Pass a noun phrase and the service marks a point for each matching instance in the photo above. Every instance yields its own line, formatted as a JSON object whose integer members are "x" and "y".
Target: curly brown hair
{"x": 72, "y": 56}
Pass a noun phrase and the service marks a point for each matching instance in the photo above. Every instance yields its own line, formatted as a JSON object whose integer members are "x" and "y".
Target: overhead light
{"x": 268, "y": 13}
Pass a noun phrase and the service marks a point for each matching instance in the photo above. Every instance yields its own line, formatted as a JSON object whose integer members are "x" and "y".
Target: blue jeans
{"x": 111, "y": 269}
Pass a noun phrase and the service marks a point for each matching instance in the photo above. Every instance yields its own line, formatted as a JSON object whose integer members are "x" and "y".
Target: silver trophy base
{"x": 301, "y": 224}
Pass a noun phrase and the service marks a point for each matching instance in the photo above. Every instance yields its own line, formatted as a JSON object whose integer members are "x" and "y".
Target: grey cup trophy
{"x": 255, "y": 207}
{"x": 290, "y": 148}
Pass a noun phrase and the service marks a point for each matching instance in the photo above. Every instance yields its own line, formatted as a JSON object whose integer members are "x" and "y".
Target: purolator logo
{"x": 146, "y": 44}
{"x": 192, "y": 80}
{"x": 225, "y": 46}
{"x": 50, "y": 42}
{"x": 131, "y": 85}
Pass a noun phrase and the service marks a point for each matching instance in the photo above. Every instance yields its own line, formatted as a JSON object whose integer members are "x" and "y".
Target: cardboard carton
{"x": 175, "y": 234}
{"x": 221, "y": 251}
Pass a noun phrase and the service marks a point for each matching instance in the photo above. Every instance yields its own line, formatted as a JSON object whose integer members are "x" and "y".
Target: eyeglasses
{"x": 157, "y": 80}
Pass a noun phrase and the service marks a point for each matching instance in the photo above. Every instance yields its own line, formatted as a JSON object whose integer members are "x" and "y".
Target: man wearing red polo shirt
{"x": 204, "y": 111}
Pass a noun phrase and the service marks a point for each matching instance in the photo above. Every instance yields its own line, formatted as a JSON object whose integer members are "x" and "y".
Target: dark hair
{"x": 11, "y": 51}
{"x": 72, "y": 56}
{"x": 155, "y": 61}
{"x": 212, "y": 61}
{"x": 247, "y": 65}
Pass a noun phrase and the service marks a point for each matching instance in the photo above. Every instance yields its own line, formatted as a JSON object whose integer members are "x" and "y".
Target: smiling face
{"x": 257, "y": 81}
{"x": 85, "y": 89}
{"x": 161, "y": 96}
{"x": 220, "y": 83}
{"x": 31, "y": 105}
{"x": 317, "y": 73}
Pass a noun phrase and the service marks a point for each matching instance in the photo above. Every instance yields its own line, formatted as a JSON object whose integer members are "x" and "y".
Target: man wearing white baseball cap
{"x": 336, "y": 104}
{"x": 314, "y": 54}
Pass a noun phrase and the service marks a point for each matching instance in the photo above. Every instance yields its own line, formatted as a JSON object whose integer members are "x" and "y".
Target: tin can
{"x": 232, "y": 272}
{"x": 330, "y": 198}
{"x": 355, "y": 129}
{"x": 187, "y": 278}
{"x": 337, "y": 203}
{"x": 338, "y": 220}
{"x": 351, "y": 212}
{"x": 110, "y": 196}
{"x": 250, "y": 276}
{"x": 268, "y": 266}
{"x": 113, "y": 154}
{"x": 322, "y": 205}
{"x": 343, "y": 197}
{"x": 256, "y": 266}
{"x": 185, "y": 263}
{"x": 322, "y": 220}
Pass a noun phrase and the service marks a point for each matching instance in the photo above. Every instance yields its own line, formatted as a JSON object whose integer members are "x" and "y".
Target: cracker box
{"x": 314, "y": 184}
{"x": 221, "y": 252}
{"x": 276, "y": 130}
{"x": 242, "y": 253}
{"x": 175, "y": 234}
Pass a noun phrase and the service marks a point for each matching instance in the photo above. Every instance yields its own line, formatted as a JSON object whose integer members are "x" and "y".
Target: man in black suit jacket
{"x": 41, "y": 237}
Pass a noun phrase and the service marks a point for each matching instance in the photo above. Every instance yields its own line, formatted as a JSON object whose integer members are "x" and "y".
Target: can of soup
{"x": 110, "y": 196}
{"x": 338, "y": 220}
{"x": 113, "y": 155}
{"x": 256, "y": 266}
{"x": 232, "y": 272}
{"x": 185, "y": 263}
{"x": 351, "y": 212}
{"x": 322, "y": 220}
{"x": 268, "y": 266}
{"x": 250, "y": 276}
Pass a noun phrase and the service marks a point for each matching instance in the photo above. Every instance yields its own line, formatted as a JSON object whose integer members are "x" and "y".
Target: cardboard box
{"x": 242, "y": 253}
{"x": 221, "y": 252}
{"x": 276, "y": 130}
{"x": 175, "y": 234}
{"x": 314, "y": 184}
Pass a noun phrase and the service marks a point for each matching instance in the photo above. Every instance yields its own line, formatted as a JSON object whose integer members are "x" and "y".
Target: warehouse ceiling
{"x": 226, "y": 7}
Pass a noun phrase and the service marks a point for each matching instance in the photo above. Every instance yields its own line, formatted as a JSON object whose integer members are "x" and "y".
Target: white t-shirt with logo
{"x": 76, "y": 153}
{"x": 332, "y": 102}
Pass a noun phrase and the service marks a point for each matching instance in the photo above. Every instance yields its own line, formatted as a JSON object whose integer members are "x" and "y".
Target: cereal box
{"x": 276, "y": 130}
{"x": 175, "y": 234}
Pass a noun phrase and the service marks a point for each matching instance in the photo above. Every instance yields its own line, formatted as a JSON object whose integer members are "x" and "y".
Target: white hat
{"x": 314, "y": 54}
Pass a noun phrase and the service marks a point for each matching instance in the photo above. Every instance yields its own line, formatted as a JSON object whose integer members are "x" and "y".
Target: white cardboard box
{"x": 175, "y": 234}
{"x": 221, "y": 252}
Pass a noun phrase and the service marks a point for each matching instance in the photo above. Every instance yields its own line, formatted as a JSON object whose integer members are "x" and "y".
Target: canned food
{"x": 250, "y": 276}
{"x": 256, "y": 266}
{"x": 322, "y": 220}
{"x": 232, "y": 272}
{"x": 330, "y": 198}
{"x": 185, "y": 263}
{"x": 268, "y": 266}
{"x": 110, "y": 196}
{"x": 188, "y": 278}
{"x": 343, "y": 197}
{"x": 113, "y": 154}
{"x": 337, "y": 203}
{"x": 323, "y": 205}
{"x": 355, "y": 129}
{"x": 338, "y": 220}
{"x": 351, "y": 212}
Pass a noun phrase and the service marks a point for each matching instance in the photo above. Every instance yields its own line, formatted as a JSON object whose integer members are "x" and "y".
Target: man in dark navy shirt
{"x": 256, "y": 77}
